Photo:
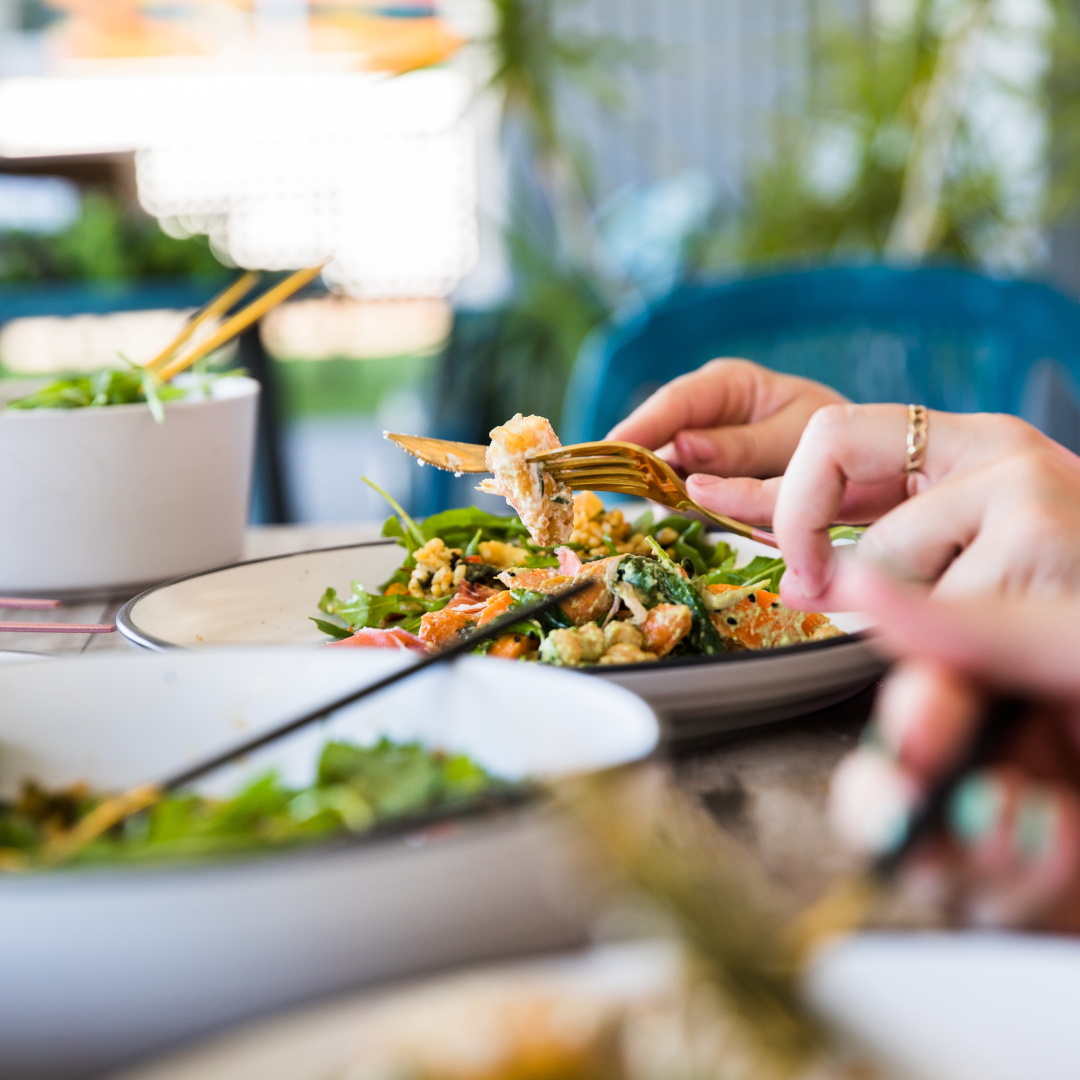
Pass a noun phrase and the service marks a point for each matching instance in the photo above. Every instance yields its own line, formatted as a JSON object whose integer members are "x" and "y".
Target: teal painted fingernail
{"x": 1036, "y": 826}
{"x": 871, "y": 738}
{"x": 975, "y": 809}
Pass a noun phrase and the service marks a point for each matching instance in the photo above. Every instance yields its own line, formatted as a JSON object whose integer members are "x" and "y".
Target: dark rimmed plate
{"x": 271, "y": 602}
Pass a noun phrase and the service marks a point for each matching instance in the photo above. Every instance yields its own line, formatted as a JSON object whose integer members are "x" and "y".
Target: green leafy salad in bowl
{"x": 356, "y": 789}
{"x": 126, "y": 384}
{"x": 657, "y": 588}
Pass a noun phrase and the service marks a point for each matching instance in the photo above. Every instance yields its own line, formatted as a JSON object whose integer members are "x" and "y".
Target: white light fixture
{"x": 282, "y": 169}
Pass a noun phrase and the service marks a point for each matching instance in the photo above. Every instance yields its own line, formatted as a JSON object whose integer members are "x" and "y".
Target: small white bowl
{"x": 99, "y": 500}
{"x": 102, "y": 964}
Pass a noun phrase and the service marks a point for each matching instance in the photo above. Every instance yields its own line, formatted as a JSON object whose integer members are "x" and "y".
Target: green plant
{"x": 518, "y": 356}
{"x": 105, "y": 243}
{"x": 880, "y": 157}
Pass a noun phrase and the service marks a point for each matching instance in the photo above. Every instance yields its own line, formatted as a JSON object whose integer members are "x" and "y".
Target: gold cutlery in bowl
{"x": 596, "y": 466}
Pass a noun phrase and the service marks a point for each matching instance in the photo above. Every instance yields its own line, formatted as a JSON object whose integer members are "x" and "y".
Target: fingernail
{"x": 975, "y": 809}
{"x": 703, "y": 480}
{"x": 809, "y": 586}
{"x": 694, "y": 446}
{"x": 1035, "y": 832}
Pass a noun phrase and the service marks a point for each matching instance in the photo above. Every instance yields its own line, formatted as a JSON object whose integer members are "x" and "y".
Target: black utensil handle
{"x": 466, "y": 645}
{"x": 1003, "y": 717}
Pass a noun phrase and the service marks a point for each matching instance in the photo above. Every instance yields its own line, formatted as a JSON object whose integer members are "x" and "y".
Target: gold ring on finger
{"x": 918, "y": 429}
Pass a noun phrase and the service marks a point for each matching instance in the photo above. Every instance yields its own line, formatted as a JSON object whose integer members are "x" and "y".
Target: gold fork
{"x": 596, "y": 466}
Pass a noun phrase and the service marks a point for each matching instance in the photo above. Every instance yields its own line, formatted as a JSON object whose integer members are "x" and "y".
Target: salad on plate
{"x": 656, "y": 588}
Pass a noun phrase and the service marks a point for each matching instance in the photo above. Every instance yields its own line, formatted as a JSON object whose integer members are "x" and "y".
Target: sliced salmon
{"x": 590, "y": 604}
{"x": 370, "y": 638}
{"x": 665, "y": 626}
{"x": 498, "y": 605}
{"x": 442, "y": 628}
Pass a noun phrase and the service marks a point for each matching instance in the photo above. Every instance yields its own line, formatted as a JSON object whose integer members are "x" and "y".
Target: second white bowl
{"x": 102, "y": 964}
{"x": 105, "y": 499}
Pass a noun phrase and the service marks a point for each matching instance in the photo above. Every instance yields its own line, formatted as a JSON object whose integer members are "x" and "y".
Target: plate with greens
{"x": 403, "y": 834}
{"x": 688, "y": 620}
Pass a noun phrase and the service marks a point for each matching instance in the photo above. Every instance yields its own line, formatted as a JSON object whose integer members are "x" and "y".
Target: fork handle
{"x": 762, "y": 536}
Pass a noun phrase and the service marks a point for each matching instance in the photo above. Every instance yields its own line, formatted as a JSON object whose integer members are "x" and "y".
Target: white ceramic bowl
{"x": 102, "y": 965}
{"x": 97, "y": 500}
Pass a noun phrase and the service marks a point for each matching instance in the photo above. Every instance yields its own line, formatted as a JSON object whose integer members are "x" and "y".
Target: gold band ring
{"x": 918, "y": 428}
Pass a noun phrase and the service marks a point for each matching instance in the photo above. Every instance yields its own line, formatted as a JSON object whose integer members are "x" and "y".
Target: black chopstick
{"x": 1002, "y": 719}
{"x": 466, "y": 645}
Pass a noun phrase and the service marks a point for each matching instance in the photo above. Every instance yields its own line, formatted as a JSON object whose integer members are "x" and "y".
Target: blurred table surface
{"x": 765, "y": 785}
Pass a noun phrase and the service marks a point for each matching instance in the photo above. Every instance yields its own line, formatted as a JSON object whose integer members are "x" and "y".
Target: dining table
{"x": 766, "y": 785}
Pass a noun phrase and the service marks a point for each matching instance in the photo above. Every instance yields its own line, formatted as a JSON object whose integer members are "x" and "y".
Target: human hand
{"x": 995, "y": 508}
{"x": 730, "y": 417}
{"x": 1011, "y": 853}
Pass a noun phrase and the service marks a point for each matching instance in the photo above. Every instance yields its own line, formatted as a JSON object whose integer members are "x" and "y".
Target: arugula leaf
{"x": 658, "y": 551}
{"x": 410, "y": 532}
{"x": 534, "y": 562}
{"x": 465, "y": 528}
{"x": 759, "y": 570}
{"x": 846, "y": 532}
{"x": 333, "y": 629}
{"x": 368, "y": 609}
{"x": 355, "y": 787}
{"x": 130, "y": 385}
{"x": 150, "y": 388}
{"x": 693, "y": 542}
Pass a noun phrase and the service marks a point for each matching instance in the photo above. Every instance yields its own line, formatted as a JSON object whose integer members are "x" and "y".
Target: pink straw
{"x": 55, "y": 628}
{"x": 35, "y": 605}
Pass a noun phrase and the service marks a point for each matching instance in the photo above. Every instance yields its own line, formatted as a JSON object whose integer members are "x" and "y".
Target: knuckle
{"x": 729, "y": 364}
{"x": 830, "y": 421}
{"x": 1009, "y": 430}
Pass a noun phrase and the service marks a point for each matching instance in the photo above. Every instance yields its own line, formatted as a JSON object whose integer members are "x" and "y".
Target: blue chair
{"x": 947, "y": 338}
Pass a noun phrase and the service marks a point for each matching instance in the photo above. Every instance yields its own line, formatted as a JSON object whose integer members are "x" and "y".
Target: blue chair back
{"x": 948, "y": 338}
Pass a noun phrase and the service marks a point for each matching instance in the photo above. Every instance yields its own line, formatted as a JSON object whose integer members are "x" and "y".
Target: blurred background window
{"x": 492, "y": 181}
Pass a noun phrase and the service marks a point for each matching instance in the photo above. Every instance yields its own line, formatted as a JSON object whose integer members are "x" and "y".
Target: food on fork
{"x": 544, "y": 505}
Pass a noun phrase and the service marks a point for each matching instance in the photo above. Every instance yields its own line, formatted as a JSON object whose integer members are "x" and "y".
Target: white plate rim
{"x": 125, "y": 622}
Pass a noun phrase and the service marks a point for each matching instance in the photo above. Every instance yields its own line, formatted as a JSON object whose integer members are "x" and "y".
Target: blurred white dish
{"x": 101, "y": 499}
{"x": 7, "y": 656}
{"x": 104, "y": 964}
{"x": 271, "y": 601}
{"x": 931, "y": 1007}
